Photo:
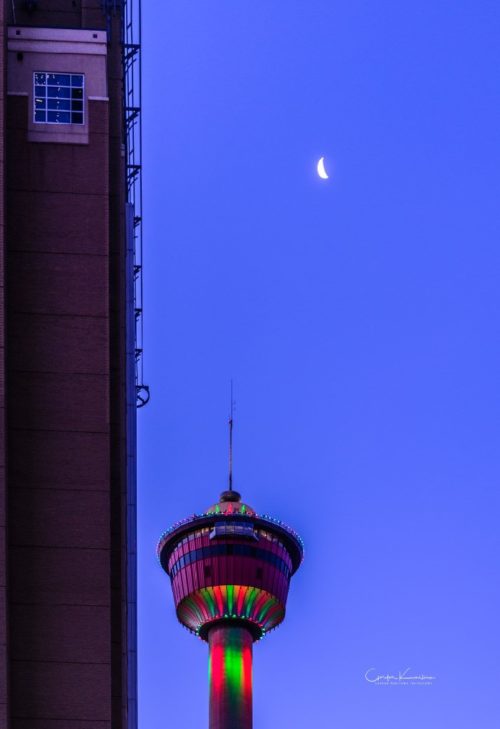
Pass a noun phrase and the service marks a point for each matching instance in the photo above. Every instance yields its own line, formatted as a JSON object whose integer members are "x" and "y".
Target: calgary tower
{"x": 230, "y": 570}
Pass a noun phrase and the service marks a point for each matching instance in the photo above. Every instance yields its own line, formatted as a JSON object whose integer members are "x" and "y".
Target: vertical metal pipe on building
{"x": 230, "y": 677}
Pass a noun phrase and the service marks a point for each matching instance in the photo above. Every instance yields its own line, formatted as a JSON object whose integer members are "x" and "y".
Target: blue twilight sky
{"x": 359, "y": 319}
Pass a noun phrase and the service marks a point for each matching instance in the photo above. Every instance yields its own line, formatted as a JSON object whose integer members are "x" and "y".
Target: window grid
{"x": 58, "y": 98}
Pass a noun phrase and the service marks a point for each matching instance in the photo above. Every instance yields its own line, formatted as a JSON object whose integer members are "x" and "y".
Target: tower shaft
{"x": 230, "y": 677}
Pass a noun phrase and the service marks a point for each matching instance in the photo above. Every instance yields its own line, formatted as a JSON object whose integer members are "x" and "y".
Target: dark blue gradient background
{"x": 359, "y": 319}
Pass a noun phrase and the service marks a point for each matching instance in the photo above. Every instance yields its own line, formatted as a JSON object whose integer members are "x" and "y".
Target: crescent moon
{"x": 321, "y": 169}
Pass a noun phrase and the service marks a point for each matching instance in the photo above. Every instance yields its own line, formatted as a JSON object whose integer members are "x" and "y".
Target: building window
{"x": 58, "y": 98}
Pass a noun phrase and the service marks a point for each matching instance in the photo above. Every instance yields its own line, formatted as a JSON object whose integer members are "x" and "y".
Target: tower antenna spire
{"x": 231, "y": 411}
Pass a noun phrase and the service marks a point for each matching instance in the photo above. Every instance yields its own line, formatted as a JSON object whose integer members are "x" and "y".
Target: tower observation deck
{"x": 230, "y": 570}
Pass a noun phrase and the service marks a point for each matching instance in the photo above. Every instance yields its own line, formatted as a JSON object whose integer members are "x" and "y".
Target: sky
{"x": 359, "y": 320}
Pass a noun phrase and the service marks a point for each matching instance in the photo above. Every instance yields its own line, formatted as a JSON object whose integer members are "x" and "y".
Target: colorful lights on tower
{"x": 230, "y": 570}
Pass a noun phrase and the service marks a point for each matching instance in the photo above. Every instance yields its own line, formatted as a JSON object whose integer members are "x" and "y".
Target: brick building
{"x": 69, "y": 221}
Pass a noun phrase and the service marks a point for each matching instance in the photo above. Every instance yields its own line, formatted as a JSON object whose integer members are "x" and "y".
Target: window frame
{"x": 71, "y": 111}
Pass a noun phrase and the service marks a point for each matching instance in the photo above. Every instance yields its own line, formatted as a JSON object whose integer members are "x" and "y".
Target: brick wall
{"x": 66, "y": 510}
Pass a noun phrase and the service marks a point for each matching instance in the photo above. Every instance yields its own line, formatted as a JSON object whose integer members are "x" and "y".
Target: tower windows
{"x": 58, "y": 98}
{"x": 227, "y": 550}
{"x": 229, "y": 528}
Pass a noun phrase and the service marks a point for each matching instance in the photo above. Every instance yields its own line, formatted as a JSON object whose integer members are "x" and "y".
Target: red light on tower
{"x": 230, "y": 570}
